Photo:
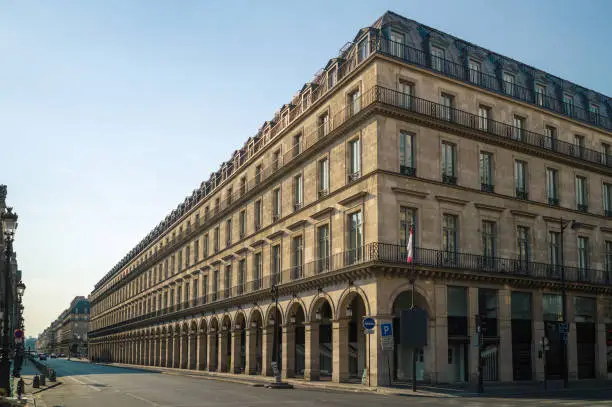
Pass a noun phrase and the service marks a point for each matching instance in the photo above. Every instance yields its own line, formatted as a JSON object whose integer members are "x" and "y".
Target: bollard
{"x": 51, "y": 375}
{"x": 36, "y": 382}
{"x": 42, "y": 380}
{"x": 20, "y": 388}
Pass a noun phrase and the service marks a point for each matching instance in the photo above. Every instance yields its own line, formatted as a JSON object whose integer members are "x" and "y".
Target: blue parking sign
{"x": 386, "y": 329}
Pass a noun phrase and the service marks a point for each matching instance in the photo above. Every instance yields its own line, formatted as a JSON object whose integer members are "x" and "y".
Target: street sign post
{"x": 386, "y": 329}
{"x": 368, "y": 325}
{"x": 368, "y": 328}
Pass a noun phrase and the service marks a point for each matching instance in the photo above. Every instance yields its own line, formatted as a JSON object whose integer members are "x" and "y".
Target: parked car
{"x": 61, "y": 355}
{"x": 42, "y": 356}
{"x": 53, "y": 356}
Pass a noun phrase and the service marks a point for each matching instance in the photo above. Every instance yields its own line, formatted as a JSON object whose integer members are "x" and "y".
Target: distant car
{"x": 42, "y": 356}
{"x": 53, "y": 356}
{"x": 61, "y": 355}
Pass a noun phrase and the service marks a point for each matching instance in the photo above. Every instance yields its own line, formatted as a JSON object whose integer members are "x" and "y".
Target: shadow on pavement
{"x": 64, "y": 367}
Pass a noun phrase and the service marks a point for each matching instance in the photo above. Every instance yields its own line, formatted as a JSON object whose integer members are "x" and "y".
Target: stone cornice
{"x": 451, "y": 200}
{"x": 257, "y": 243}
{"x": 491, "y": 208}
{"x": 296, "y": 225}
{"x": 275, "y": 235}
{"x": 350, "y": 199}
{"x": 323, "y": 213}
{"x": 605, "y": 229}
{"x": 523, "y": 214}
{"x": 416, "y": 194}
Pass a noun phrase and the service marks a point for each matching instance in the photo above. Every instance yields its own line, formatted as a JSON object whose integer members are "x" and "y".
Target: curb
{"x": 57, "y": 383}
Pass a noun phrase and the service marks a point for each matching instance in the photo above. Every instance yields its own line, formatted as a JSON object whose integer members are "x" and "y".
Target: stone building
{"x": 68, "y": 333}
{"x": 502, "y": 171}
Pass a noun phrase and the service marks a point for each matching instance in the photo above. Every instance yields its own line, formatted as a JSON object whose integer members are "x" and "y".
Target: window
{"x": 475, "y": 71}
{"x": 578, "y": 145}
{"x": 550, "y": 141}
{"x": 407, "y": 221}
{"x": 446, "y": 111}
{"x": 488, "y": 241}
{"x": 305, "y": 98}
{"x": 172, "y": 265}
{"x": 205, "y": 288}
{"x": 241, "y": 275}
{"x": 197, "y": 219}
{"x": 354, "y": 102}
{"x": 331, "y": 78}
{"x": 187, "y": 256}
{"x": 195, "y": 289}
{"x": 323, "y": 177}
{"x": 355, "y": 237}
{"x": 484, "y": 114}
{"x": 594, "y": 113}
{"x": 215, "y": 287}
{"x": 228, "y": 232}
{"x": 486, "y": 172}
{"x": 406, "y": 154}
{"x": 568, "y": 104}
{"x": 520, "y": 179}
{"x": 508, "y": 81}
{"x": 257, "y": 270}
{"x": 243, "y": 186}
{"x": 449, "y": 236}
{"x": 229, "y": 195}
{"x": 205, "y": 244}
{"x": 275, "y": 160}
{"x": 524, "y": 248}
{"x": 581, "y": 194}
{"x": 276, "y": 204}
{"x": 605, "y": 154}
{"x": 242, "y": 223}
{"x": 554, "y": 249}
{"x": 449, "y": 164}
{"x": 437, "y": 58}
{"x": 397, "y": 44}
{"x": 362, "y": 50}
{"x": 583, "y": 255}
{"x": 216, "y": 240}
{"x": 519, "y": 128}
{"x": 540, "y": 91}
{"x": 298, "y": 192}
{"x": 258, "y": 174}
{"x": 354, "y": 159}
{"x": 607, "y": 199}
{"x": 257, "y": 209}
{"x": 323, "y": 124}
{"x": 276, "y": 264}
{"x": 297, "y": 144}
{"x": 608, "y": 261}
{"x": 552, "y": 182}
{"x": 217, "y": 202}
{"x": 323, "y": 248}
{"x": 296, "y": 257}
{"x": 406, "y": 90}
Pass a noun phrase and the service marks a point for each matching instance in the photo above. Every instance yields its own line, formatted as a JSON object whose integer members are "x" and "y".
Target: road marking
{"x": 154, "y": 404}
{"x": 84, "y": 383}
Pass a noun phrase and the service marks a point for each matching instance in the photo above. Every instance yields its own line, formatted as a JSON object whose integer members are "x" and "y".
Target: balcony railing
{"x": 582, "y": 207}
{"x": 408, "y": 171}
{"x": 449, "y": 179}
{"x": 553, "y": 201}
{"x": 487, "y": 188}
{"x": 522, "y": 194}
{"x": 389, "y": 254}
{"x": 490, "y": 82}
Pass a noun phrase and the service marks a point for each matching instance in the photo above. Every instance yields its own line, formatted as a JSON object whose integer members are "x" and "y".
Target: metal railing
{"x": 490, "y": 82}
{"x": 389, "y": 254}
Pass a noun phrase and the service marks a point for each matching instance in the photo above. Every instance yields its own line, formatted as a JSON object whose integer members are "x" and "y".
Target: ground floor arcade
{"x": 320, "y": 337}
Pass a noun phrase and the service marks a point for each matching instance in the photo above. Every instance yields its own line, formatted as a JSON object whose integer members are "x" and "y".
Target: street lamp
{"x": 9, "y": 225}
{"x": 575, "y": 225}
{"x": 20, "y": 288}
{"x": 275, "y": 346}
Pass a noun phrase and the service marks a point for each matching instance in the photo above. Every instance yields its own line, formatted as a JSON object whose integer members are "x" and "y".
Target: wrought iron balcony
{"x": 487, "y": 187}
{"x": 408, "y": 171}
{"x": 522, "y": 194}
{"x": 354, "y": 176}
{"x": 323, "y": 192}
{"x": 608, "y": 213}
{"x": 449, "y": 179}
{"x": 582, "y": 207}
{"x": 391, "y": 254}
{"x": 553, "y": 201}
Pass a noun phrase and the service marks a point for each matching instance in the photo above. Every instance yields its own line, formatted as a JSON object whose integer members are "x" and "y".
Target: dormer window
{"x": 508, "y": 82}
{"x": 397, "y": 44}
{"x": 362, "y": 50}
{"x": 331, "y": 78}
{"x": 594, "y": 109}
{"x": 475, "y": 71}
{"x": 568, "y": 104}
{"x": 305, "y": 98}
{"x": 285, "y": 119}
{"x": 437, "y": 58}
{"x": 540, "y": 91}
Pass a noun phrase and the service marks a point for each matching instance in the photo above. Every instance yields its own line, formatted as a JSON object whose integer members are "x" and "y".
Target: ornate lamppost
{"x": 9, "y": 225}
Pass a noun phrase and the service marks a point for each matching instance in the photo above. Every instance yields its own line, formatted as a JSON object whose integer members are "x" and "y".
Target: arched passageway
{"x": 402, "y": 354}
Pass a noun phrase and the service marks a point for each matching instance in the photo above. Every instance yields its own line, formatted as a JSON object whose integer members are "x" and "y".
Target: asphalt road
{"x": 85, "y": 384}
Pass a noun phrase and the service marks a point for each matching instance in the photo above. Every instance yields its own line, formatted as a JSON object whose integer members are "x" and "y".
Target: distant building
{"x": 68, "y": 333}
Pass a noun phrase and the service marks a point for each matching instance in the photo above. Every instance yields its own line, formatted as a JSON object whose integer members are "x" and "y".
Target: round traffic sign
{"x": 18, "y": 333}
{"x": 369, "y": 323}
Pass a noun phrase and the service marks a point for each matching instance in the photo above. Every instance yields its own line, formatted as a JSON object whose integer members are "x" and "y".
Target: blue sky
{"x": 111, "y": 112}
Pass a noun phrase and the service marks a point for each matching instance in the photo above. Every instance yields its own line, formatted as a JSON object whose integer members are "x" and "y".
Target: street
{"x": 97, "y": 385}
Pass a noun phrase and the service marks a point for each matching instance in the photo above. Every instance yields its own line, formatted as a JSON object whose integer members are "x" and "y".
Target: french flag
{"x": 410, "y": 247}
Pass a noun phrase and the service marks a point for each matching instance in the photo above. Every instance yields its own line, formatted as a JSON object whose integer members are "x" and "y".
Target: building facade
{"x": 502, "y": 172}
{"x": 68, "y": 333}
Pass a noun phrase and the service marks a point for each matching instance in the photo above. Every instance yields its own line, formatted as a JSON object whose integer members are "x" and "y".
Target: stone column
{"x": 380, "y": 362}
{"x": 184, "y": 360}
{"x": 440, "y": 342}
{"x": 235, "y": 364}
{"x": 505, "y": 335}
{"x": 472, "y": 312}
{"x": 601, "y": 347}
{"x": 340, "y": 357}
{"x": 211, "y": 350}
{"x": 539, "y": 332}
{"x": 288, "y": 351}
{"x": 572, "y": 347}
{"x": 201, "y": 361}
{"x": 222, "y": 358}
{"x": 311, "y": 345}
{"x": 176, "y": 353}
{"x": 266, "y": 351}
{"x": 251, "y": 350}
{"x": 168, "y": 353}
